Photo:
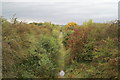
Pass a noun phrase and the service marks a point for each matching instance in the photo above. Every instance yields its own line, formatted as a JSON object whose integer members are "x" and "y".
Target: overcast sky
{"x": 61, "y": 11}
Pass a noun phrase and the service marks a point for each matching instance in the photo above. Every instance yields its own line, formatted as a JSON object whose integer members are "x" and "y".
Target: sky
{"x": 61, "y": 11}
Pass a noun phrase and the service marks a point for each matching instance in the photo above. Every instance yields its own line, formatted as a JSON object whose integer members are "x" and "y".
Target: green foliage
{"x": 33, "y": 50}
{"x": 55, "y": 33}
{"x": 29, "y": 51}
{"x": 48, "y": 45}
{"x": 38, "y": 65}
{"x": 94, "y": 47}
{"x": 105, "y": 51}
{"x": 88, "y": 23}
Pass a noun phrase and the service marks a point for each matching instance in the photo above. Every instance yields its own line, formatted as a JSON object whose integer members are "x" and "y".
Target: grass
{"x": 61, "y": 58}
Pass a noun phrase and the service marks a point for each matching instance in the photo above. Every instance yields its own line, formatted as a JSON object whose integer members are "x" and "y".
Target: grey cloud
{"x": 61, "y": 12}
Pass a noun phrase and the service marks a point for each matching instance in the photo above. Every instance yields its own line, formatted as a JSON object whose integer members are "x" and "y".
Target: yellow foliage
{"x": 71, "y": 24}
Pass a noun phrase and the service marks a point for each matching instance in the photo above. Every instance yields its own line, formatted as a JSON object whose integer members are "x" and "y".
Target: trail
{"x": 61, "y": 58}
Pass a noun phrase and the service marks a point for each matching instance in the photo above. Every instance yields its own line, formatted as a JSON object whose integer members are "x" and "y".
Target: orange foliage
{"x": 71, "y": 24}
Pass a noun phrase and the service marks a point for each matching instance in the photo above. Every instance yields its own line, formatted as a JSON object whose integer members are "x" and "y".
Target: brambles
{"x": 78, "y": 42}
{"x": 29, "y": 51}
{"x": 37, "y": 65}
{"x": 92, "y": 45}
{"x": 34, "y": 50}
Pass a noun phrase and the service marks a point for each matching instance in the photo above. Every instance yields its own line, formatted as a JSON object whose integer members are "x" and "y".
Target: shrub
{"x": 77, "y": 41}
{"x": 36, "y": 66}
{"x": 22, "y": 45}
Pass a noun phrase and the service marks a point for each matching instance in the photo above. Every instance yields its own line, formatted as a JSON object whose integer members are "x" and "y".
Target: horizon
{"x": 58, "y": 24}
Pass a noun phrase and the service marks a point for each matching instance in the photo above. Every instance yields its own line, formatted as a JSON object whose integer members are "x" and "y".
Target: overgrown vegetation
{"x": 33, "y": 50}
{"x": 29, "y": 50}
{"x": 94, "y": 50}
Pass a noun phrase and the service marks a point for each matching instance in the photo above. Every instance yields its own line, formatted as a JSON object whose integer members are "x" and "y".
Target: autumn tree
{"x": 71, "y": 25}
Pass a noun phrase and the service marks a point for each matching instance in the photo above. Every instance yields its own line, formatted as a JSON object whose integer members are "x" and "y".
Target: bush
{"x": 24, "y": 45}
{"x": 77, "y": 41}
{"x": 49, "y": 45}
{"x": 36, "y": 66}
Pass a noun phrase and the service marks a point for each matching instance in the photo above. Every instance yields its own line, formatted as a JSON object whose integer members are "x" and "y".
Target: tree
{"x": 88, "y": 23}
{"x": 71, "y": 25}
